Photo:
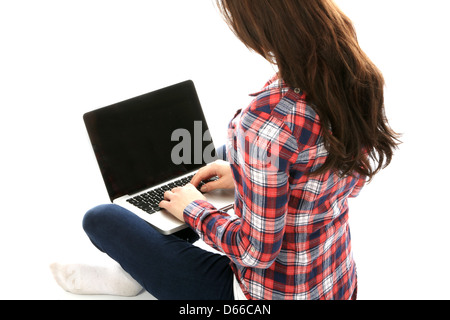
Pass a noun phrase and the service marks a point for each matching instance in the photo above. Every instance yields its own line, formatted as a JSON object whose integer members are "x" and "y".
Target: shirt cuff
{"x": 194, "y": 211}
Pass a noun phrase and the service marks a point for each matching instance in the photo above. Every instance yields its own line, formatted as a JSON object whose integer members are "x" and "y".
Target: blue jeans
{"x": 168, "y": 267}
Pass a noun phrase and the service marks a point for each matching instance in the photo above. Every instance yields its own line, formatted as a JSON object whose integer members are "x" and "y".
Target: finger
{"x": 164, "y": 204}
{"x": 168, "y": 195}
{"x": 191, "y": 186}
{"x": 203, "y": 174}
{"x": 213, "y": 185}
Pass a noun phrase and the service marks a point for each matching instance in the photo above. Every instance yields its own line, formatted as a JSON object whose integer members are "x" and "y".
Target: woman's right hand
{"x": 220, "y": 169}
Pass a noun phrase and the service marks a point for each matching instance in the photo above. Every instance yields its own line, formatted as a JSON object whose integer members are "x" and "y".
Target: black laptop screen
{"x": 150, "y": 139}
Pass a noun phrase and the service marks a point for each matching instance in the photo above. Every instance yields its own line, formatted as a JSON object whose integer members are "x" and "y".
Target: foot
{"x": 95, "y": 280}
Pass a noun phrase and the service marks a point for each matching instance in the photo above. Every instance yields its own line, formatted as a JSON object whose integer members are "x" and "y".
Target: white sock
{"x": 95, "y": 280}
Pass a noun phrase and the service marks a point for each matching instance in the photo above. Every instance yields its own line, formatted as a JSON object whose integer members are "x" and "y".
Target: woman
{"x": 310, "y": 140}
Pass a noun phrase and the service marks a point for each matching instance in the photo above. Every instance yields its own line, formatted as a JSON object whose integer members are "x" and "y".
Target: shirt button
{"x": 252, "y": 249}
{"x": 297, "y": 90}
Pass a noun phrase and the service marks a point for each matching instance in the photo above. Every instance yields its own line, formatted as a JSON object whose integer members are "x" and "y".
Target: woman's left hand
{"x": 178, "y": 199}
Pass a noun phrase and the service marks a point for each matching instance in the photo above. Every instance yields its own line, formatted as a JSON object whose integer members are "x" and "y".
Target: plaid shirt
{"x": 289, "y": 237}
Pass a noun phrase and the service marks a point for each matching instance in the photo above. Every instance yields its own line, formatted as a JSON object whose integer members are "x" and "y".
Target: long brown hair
{"x": 315, "y": 47}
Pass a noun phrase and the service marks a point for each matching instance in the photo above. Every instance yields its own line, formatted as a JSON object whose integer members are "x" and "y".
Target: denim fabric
{"x": 168, "y": 267}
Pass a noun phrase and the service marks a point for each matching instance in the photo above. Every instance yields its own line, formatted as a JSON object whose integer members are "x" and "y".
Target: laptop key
{"x": 149, "y": 201}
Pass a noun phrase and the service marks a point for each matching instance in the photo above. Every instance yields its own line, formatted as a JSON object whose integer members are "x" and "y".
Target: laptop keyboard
{"x": 149, "y": 201}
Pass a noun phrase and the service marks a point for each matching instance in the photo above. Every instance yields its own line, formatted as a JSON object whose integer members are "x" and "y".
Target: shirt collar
{"x": 274, "y": 83}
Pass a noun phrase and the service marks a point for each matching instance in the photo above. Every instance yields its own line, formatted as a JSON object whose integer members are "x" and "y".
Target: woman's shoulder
{"x": 283, "y": 103}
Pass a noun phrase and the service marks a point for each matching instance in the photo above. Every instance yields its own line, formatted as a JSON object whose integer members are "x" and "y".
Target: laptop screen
{"x": 150, "y": 139}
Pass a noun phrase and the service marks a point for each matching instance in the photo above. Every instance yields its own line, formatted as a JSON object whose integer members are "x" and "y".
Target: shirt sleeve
{"x": 358, "y": 187}
{"x": 254, "y": 237}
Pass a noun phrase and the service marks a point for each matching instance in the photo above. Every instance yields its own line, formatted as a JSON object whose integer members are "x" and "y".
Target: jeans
{"x": 168, "y": 267}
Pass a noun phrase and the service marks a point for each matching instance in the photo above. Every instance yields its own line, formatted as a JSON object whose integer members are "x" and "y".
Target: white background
{"x": 60, "y": 59}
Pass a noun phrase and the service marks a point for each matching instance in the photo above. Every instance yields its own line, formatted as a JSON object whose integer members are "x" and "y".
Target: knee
{"x": 97, "y": 217}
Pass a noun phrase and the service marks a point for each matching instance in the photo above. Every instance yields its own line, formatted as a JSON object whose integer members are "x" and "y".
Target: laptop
{"x": 152, "y": 143}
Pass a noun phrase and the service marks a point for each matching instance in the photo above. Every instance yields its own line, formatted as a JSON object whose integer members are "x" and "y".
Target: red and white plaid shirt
{"x": 289, "y": 237}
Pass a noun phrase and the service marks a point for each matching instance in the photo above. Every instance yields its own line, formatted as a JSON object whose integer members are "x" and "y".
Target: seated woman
{"x": 310, "y": 140}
